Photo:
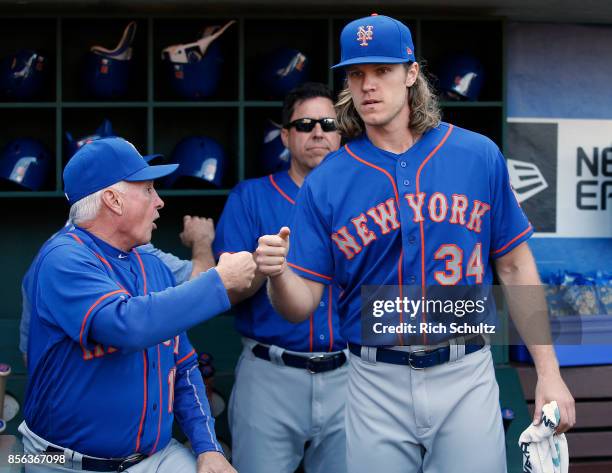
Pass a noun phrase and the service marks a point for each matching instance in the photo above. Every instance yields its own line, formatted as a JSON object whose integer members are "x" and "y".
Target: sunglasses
{"x": 306, "y": 125}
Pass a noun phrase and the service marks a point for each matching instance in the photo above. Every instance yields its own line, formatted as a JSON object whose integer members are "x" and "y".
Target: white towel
{"x": 543, "y": 450}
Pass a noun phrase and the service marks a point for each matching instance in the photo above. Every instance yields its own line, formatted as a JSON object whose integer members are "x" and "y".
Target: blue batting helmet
{"x": 107, "y": 71}
{"x": 194, "y": 69}
{"x": 23, "y": 75}
{"x": 274, "y": 156}
{"x": 283, "y": 70}
{"x": 103, "y": 131}
{"x": 461, "y": 78}
{"x": 201, "y": 162}
{"x": 25, "y": 163}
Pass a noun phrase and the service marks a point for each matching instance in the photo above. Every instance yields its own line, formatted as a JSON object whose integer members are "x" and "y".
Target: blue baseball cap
{"x": 105, "y": 162}
{"x": 375, "y": 39}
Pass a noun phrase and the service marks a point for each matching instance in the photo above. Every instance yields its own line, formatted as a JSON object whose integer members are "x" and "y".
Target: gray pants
{"x": 275, "y": 410}
{"x": 444, "y": 419}
{"x": 173, "y": 458}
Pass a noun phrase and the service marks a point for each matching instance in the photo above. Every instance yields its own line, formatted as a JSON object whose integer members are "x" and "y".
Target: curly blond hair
{"x": 424, "y": 109}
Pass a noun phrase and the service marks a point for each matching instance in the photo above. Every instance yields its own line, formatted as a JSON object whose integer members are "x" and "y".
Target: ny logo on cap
{"x": 365, "y": 34}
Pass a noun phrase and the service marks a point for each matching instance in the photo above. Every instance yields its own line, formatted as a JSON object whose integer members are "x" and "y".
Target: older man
{"x": 110, "y": 363}
{"x": 198, "y": 234}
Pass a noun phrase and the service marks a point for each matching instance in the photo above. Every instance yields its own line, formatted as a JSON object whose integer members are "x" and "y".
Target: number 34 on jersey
{"x": 457, "y": 210}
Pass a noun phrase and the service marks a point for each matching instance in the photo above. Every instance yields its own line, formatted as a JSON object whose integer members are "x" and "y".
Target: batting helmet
{"x": 104, "y": 131}
{"x": 25, "y": 163}
{"x": 201, "y": 162}
{"x": 107, "y": 71}
{"x": 283, "y": 70}
{"x": 274, "y": 156}
{"x": 194, "y": 69}
{"x": 23, "y": 75}
{"x": 461, "y": 78}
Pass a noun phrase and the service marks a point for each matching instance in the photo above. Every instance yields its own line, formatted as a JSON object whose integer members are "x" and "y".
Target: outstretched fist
{"x": 271, "y": 253}
{"x": 236, "y": 270}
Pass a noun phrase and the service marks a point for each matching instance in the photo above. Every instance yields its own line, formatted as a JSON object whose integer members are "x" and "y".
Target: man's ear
{"x": 285, "y": 137}
{"x": 112, "y": 200}
{"x": 412, "y": 74}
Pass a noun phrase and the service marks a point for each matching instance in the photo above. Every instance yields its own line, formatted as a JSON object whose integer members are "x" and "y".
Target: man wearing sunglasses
{"x": 288, "y": 398}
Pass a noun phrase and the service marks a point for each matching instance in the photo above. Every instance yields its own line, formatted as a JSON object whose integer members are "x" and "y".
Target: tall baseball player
{"x": 288, "y": 398}
{"x": 198, "y": 234}
{"x": 410, "y": 201}
{"x": 109, "y": 361}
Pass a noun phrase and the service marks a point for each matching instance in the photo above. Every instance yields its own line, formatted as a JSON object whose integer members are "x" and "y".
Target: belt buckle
{"x": 130, "y": 460}
{"x": 312, "y": 362}
{"x": 411, "y": 359}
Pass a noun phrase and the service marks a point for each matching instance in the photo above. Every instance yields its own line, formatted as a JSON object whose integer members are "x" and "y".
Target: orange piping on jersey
{"x": 101, "y": 258}
{"x": 401, "y": 292}
{"x": 144, "y": 274}
{"x": 311, "y": 316}
{"x": 105, "y": 296}
{"x": 185, "y": 357}
{"x": 160, "y": 402}
{"x": 76, "y": 238}
{"x": 97, "y": 255}
{"x": 361, "y": 160}
{"x": 513, "y": 240}
{"x": 329, "y": 317}
{"x": 280, "y": 191}
{"x": 144, "y": 404}
{"x": 309, "y": 271}
{"x": 422, "y": 232}
{"x": 399, "y": 263}
{"x": 144, "y": 354}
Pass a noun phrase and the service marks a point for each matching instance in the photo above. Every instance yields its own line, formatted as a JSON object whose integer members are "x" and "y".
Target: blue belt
{"x": 419, "y": 359}
{"x": 312, "y": 363}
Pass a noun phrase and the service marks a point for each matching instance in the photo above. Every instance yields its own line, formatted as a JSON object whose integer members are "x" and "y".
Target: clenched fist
{"x": 271, "y": 253}
{"x": 236, "y": 270}
{"x": 197, "y": 230}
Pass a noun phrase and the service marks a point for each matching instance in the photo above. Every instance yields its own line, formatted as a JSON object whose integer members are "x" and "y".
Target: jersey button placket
{"x": 405, "y": 177}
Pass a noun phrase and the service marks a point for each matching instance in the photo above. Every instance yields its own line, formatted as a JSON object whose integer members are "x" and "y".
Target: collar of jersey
{"x": 285, "y": 182}
{"x": 110, "y": 252}
{"x": 415, "y": 152}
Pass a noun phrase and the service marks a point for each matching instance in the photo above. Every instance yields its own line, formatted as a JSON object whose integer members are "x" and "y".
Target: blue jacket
{"x": 109, "y": 361}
